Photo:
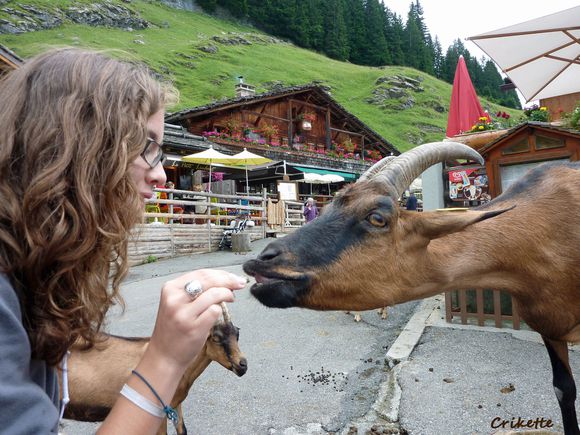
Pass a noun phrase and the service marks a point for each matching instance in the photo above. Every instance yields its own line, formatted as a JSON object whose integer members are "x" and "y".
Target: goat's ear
{"x": 433, "y": 225}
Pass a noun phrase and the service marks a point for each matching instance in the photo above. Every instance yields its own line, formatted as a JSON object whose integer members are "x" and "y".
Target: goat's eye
{"x": 377, "y": 220}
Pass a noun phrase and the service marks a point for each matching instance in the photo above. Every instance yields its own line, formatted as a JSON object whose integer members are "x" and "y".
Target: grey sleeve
{"x": 26, "y": 407}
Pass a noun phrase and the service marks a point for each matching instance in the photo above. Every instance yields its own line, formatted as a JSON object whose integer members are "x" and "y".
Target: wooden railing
{"x": 485, "y": 307}
{"x": 220, "y": 208}
{"x": 293, "y": 214}
{"x": 169, "y": 233}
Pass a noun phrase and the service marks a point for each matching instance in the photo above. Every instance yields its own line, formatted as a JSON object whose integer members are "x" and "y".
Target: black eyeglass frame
{"x": 160, "y": 157}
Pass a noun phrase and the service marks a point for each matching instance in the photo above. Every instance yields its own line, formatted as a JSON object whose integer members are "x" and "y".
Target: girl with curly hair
{"x": 80, "y": 152}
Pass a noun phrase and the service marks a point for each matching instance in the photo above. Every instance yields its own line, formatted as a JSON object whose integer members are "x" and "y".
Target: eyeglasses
{"x": 153, "y": 153}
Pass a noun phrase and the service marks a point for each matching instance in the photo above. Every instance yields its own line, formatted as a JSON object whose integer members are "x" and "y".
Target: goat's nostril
{"x": 244, "y": 363}
{"x": 270, "y": 253}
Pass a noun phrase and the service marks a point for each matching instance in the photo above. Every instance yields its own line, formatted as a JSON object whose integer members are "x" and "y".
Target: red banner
{"x": 460, "y": 176}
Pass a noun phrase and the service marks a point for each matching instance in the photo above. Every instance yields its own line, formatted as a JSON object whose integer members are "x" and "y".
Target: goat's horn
{"x": 225, "y": 312}
{"x": 400, "y": 172}
{"x": 376, "y": 168}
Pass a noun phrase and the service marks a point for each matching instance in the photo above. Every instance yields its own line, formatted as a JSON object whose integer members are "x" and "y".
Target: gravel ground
{"x": 459, "y": 381}
{"x": 308, "y": 372}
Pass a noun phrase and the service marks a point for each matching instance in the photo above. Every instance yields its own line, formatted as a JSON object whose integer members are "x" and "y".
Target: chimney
{"x": 243, "y": 89}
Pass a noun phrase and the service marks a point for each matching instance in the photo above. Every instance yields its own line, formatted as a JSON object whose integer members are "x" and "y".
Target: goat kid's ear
{"x": 433, "y": 225}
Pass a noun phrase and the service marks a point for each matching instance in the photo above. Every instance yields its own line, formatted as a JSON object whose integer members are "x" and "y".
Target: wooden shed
{"x": 510, "y": 155}
{"x": 8, "y": 60}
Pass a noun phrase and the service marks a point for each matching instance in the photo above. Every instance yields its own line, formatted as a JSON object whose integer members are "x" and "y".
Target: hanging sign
{"x": 461, "y": 176}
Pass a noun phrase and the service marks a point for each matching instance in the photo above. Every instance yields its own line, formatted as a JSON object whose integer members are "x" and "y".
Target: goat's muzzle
{"x": 277, "y": 285}
{"x": 241, "y": 367}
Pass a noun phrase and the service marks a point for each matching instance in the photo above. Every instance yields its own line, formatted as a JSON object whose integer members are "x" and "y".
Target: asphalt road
{"x": 308, "y": 372}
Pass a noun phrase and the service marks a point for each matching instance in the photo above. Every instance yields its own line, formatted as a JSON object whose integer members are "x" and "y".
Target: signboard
{"x": 288, "y": 190}
{"x": 469, "y": 184}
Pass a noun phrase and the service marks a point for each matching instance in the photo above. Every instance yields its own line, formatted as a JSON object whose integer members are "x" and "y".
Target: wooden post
{"x": 327, "y": 127}
{"x": 264, "y": 214}
{"x": 448, "y": 307}
{"x": 241, "y": 242}
{"x": 497, "y": 308}
{"x": 479, "y": 302}
{"x": 463, "y": 307}
{"x": 290, "y": 124}
{"x": 170, "y": 196}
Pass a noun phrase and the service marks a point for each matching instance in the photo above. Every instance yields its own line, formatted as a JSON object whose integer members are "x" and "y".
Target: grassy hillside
{"x": 176, "y": 42}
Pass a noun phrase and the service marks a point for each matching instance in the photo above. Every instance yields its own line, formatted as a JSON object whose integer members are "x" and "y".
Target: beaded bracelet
{"x": 169, "y": 412}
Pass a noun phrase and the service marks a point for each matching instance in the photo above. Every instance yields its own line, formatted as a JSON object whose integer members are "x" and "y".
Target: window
{"x": 519, "y": 147}
{"x": 544, "y": 142}
{"x": 510, "y": 174}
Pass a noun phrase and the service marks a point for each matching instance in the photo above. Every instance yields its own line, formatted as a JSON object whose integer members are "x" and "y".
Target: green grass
{"x": 171, "y": 47}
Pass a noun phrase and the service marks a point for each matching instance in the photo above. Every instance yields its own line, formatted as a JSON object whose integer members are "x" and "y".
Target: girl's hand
{"x": 183, "y": 324}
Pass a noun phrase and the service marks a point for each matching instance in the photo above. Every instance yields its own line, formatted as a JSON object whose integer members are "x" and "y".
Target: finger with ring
{"x": 193, "y": 289}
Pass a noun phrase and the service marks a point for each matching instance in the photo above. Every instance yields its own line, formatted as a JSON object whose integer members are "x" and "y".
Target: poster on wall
{"x": 287, "y": 190}
{"x": 469, "y": 184}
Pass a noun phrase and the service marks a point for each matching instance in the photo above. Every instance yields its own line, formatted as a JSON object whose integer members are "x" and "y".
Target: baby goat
{"x": 370, "y": 254}
{"x": 96, "y": 376}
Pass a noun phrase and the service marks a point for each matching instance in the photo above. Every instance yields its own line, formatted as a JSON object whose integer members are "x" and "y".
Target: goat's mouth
{"x": 276, "y": 290}
{"x": 241, "y": 368}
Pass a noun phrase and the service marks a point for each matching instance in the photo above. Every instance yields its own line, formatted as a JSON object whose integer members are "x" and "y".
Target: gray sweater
{"x": 29, "y": 396}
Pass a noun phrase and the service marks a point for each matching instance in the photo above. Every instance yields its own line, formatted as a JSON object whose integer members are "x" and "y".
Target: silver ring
{"x": 193, "y": 289}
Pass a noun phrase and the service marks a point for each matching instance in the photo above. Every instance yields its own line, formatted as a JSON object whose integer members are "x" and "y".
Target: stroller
{"x": 236, "y": 226}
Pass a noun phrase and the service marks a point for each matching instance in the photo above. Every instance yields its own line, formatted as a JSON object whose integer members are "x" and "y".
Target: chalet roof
{"x": 9, "y": 58}
{"x": 317, "y": 91}
{"x": 177, "y": 138}
{"x": 546, "y": 126}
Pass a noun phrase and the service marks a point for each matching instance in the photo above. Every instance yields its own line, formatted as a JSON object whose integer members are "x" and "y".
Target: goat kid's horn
{"x": 400, "y": 172}
{"x": 225, "y": 312}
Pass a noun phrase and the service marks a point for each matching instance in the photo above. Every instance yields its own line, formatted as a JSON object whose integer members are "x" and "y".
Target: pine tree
{"x": 418, "y": 44}
{"x": 355, "y": 27}
{"x": 238, "y": 8}
{"x": 394, "y": 35}
{"x": 335, "y": 36}
{"x": 375, "y": 51}
{"x": 438, "y": 59}
{"x": 207, "y": 5}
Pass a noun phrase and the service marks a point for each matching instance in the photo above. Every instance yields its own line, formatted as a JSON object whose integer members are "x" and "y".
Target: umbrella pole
{"x": 209, "y": 181}
{"x": 247, "y": 183}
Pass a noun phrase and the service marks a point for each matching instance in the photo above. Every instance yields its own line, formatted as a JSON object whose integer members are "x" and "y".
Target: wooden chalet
{"x": 8, "y": 60}
{"x": 508, "y": 155}
{"x": 302, "y": 126}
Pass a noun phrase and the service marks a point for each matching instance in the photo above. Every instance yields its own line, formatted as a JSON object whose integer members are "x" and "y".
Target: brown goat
{"x": 365, "y": 252}
{"x": 96, "y": 376}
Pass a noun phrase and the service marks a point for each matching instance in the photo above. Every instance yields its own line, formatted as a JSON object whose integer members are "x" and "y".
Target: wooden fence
{"x": 167, "y": 233}
{"x": 154, "y": 242}
{"x": 293, "y": 214}
{"x": 484, "y": 307}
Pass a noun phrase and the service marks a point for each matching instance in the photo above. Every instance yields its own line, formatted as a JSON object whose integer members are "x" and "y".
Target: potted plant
{"x": 537, "y": 113}
{"x": 269, "y": 131}
{"x": 482, "y": 124}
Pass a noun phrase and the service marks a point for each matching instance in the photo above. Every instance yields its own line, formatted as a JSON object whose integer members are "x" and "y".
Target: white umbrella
{"x": 313, "y": 178}
{"x": 333, "y": 178}
{"x": 208, "y": 157}
{"x": 247, "y": 158}
{"x": 540, "y": 56}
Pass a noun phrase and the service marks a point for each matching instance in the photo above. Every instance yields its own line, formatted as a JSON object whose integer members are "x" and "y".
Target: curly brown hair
{"x": 71, "y": 124}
